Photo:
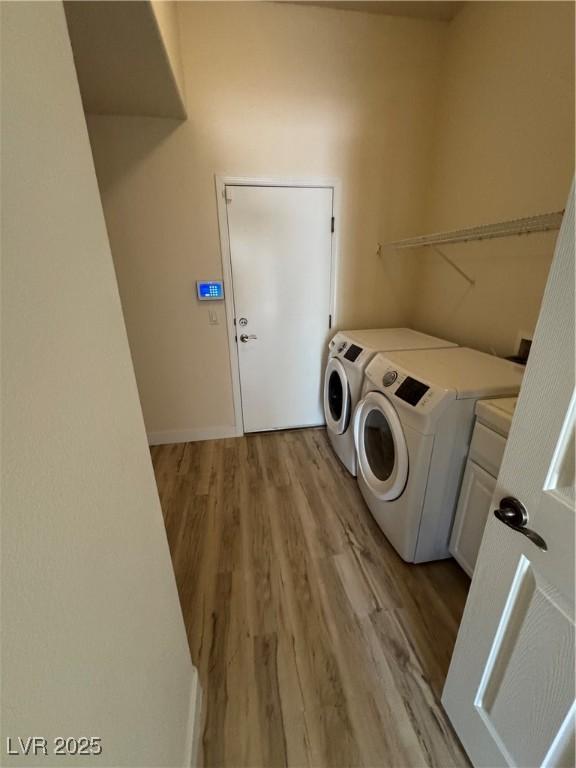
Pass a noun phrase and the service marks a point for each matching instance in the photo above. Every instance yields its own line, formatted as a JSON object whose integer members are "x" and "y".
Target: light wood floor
{"x": 315, "y": 643}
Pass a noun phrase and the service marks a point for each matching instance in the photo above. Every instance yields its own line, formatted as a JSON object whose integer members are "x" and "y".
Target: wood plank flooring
{"x": 315, "y": 643}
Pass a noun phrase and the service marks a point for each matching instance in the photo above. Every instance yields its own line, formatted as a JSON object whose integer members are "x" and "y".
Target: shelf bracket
{"x": 449, "y": 261}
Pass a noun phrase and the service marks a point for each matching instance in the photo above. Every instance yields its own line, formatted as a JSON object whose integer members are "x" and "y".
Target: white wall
{"x": 271, "y": 90}
{"x": 504, "y": 149}
{"x": 93, "y": 641}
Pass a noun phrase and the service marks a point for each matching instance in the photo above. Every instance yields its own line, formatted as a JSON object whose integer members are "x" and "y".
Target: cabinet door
{"x": 471, "y": 514}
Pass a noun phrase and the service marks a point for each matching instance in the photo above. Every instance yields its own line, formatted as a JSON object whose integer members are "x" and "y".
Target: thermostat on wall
{"x": 212, "y": 290}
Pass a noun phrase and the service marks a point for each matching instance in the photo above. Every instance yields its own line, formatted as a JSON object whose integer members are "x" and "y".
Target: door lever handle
{"x": 244, "y": 337}
{"x": 513, "y": 513}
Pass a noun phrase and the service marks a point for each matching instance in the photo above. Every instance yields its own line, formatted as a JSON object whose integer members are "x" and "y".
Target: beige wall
{"x": 126, "y": 57}
{"x": 93, "y": 641}
{"x": 504, "y": 149}
{"x": 428, "y": 125}
{"x": 165, "y": 14}
{"x": 271, "y": 90}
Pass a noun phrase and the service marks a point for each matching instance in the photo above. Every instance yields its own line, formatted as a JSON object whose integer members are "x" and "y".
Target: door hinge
{"x": 332, "y": 224}
{"x": 329, "y": 321}
{"x": 227, "y": 195}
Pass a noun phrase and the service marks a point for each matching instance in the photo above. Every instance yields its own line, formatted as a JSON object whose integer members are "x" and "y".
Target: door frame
{"x": 221, "y": 181}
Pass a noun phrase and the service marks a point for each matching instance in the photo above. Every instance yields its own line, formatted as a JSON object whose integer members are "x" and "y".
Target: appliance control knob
{"x": 389, "y": 378}
{"x": 342, "y": 347}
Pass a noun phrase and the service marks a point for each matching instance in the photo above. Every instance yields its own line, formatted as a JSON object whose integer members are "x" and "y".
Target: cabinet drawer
{"x": 487, "y": 448}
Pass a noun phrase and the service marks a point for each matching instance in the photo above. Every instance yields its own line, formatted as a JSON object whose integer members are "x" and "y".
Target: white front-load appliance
{"x": 412, "y": 430}
{"x": 349, "y": 354}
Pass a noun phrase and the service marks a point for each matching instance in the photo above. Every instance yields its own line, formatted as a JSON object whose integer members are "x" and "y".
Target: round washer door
{"x": 336, "y": 397}
{"x": 380, "y": 446}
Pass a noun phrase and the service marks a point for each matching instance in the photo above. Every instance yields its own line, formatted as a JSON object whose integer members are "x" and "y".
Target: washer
{"x": 412, "y": 430}
{"x": 349, "y": 354}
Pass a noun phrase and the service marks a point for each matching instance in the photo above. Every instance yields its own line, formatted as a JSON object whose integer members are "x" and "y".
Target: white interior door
{"x": 281, "y": 254}
{"x": 510, "y": 688}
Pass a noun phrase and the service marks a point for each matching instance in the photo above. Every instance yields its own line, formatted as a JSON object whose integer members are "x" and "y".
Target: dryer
{"x": 412, "y": 430}
{"x": 349, "y": 354}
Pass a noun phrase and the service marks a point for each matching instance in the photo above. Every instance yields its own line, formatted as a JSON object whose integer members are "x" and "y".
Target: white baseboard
{"x": 191, "y": 435}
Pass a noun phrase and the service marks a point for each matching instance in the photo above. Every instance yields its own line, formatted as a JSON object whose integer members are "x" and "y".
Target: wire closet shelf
{"x": 543, "y": 222}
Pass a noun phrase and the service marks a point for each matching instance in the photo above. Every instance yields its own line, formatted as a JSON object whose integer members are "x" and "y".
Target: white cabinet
{"x": 493, "y": 419}
{"x": 471, "y": 514}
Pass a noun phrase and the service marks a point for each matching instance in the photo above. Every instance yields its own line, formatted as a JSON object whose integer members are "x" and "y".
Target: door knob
{"x": 244, "y": 337}
{"x": 513, "y": 513}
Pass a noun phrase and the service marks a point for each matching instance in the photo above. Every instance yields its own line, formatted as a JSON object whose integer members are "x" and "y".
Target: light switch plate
{"x": 213, "y": 317}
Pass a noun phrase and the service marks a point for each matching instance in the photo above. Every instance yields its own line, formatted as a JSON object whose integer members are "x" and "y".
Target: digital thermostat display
{"x": 210, "y": 291}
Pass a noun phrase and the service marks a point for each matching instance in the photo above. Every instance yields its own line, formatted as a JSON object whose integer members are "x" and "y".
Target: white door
{"x": 281, "y": 254}
{"x": 510, "y": 687}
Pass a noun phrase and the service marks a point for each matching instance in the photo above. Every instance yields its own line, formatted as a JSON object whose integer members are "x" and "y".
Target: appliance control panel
{"x": 340, "y": 346}
{"x": 353, "y": 353}
{"x": 411, "y": 390}
{"x": 389, "y": 378}
{"x": 401, "y": 387}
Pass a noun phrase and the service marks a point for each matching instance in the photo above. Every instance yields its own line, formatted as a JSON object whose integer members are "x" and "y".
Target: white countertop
{"x": 497, "y": 413}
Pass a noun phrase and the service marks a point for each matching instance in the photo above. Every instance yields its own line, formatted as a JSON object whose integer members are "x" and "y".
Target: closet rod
{"x": 541, "y": 223}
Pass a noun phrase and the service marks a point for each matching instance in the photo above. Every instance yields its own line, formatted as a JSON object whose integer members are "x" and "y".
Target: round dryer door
{"x": 336, "y": 397}
{"x": 380, "y": 446}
